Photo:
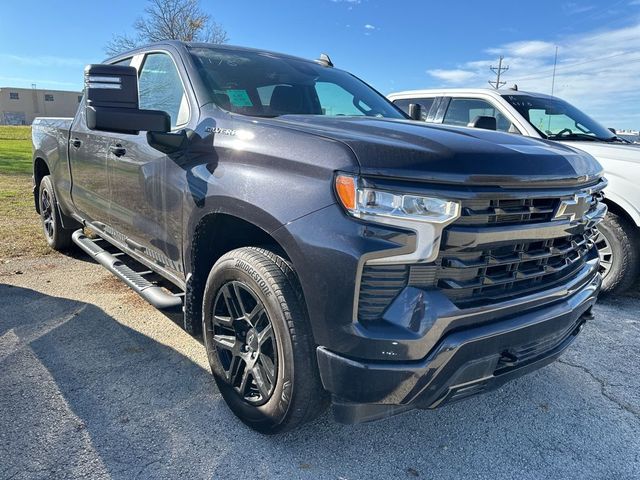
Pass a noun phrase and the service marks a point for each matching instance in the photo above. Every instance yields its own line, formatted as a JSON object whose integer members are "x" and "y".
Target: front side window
{"x": 558, "y": 120}
{"x": 263, "y": 84}
{"x": 425, "y": 105}
{"x": 160, "y": 88}
{"x": 48, "y": 97}
{"x": 462, "y": 111}
{"x": 14, "y": 96}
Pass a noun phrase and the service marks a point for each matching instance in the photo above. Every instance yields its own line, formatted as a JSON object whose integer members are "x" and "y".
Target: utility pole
{"x": 498, "y": 71}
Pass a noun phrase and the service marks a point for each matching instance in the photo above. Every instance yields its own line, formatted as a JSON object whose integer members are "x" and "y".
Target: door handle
{"x": 75, "y": 142}
{"x": 117, "y": 150}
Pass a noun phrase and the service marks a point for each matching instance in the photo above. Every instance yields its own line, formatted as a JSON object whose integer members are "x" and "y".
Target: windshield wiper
{"x": 615, "y": 139}
{"x": 574, "y": 136}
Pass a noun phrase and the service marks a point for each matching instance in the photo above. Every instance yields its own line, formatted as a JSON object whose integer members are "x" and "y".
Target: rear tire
{"x": 618, "y": 245}
{"x": 57, "y": 237}
{"x": 264, "y": 361}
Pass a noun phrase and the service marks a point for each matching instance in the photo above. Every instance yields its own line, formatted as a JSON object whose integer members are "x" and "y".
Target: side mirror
{"x": 167, "y": 142}
{"x": 415, "y": 111}
{"x": 111, "y": 93}
{"x": 612, "y": 130}
{"x": 484, "y": 122}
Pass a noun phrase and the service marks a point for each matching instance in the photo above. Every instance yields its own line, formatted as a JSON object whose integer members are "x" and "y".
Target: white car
{"x": 543, "y": 116}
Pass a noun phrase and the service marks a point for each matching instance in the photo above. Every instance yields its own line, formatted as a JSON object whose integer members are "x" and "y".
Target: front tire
{"x": 619, "y": 249}
{"x": 57, "y": 237}
{"x": 259, "y": 342}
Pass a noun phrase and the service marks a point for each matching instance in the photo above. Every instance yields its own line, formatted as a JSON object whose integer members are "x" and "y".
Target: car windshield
{"x": 558, "y": 120}
{"x": 267, "y": 85}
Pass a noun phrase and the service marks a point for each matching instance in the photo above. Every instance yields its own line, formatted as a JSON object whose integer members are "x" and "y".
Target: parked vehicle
{"x": 327, "y": 247}
{"x": 543, "y": 116}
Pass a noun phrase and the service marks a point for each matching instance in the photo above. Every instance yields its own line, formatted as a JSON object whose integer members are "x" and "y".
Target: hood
{"x": 442, "y": 154}
{"x": 609, "y": 151}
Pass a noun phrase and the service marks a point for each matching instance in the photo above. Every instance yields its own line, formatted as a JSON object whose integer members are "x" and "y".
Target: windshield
{"x": 265, "y": 85}
{"x": 558, "y": 120}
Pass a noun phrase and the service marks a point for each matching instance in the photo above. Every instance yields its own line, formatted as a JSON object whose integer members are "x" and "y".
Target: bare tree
{"x": 170, "y": 20}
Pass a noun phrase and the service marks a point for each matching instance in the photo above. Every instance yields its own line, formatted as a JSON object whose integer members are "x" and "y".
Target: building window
{"x": 48, "y": 97}
{"x": 79, "y": 98}
{"x": 14, "y": 96}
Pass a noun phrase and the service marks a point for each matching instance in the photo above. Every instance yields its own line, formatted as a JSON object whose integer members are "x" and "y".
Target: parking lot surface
{"x": 94, "y": 383}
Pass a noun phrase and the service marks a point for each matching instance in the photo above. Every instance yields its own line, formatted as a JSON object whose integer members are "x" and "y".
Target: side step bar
{"x": 156, "y": 296}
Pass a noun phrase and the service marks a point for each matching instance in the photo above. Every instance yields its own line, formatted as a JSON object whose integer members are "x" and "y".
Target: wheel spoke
{"x": 606, "y": 250}
{"x": 265, "y": 334}
{"x": 232, "y": 305}
{"x": 224, "y": 321}
{"x": 268, "y": 367}
{"x": 243, "y": 382}
{"x": 45, "y": 201}
{"x": 261, "y": 381}
{"x": 238, "y": 299}
{"x": 255, "y": 314}
{"x": 234, "y": 369}
{"x": 227, "y": 342}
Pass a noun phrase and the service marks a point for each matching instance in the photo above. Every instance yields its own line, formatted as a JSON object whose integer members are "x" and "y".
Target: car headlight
{"x": 383, "y": 205}
{"x": 426, "y": 216}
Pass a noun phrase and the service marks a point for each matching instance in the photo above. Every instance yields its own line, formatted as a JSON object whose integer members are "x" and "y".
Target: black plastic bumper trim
{"x": 463, "y": 363}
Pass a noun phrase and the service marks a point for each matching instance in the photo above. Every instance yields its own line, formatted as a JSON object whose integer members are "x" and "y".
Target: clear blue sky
{"x": 394, "y": 45}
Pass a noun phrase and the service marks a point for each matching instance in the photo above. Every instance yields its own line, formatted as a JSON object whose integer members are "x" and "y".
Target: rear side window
{"x": 425, "y": 104}
{"x": 462, "y": 111}
{"x": 160, "y": 88}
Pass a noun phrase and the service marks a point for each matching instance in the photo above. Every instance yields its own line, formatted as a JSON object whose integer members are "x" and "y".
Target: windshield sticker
{"x": 239, "y": 98}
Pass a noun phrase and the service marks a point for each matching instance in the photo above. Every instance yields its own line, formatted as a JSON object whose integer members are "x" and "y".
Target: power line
{"x": 498, "y": 71}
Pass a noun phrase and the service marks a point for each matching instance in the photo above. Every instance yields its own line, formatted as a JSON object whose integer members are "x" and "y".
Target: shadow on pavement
{"x": 83, "y": 395}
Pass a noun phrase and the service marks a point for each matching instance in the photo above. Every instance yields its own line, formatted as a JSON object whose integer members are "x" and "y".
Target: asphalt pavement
{"x": 95, "y": 383}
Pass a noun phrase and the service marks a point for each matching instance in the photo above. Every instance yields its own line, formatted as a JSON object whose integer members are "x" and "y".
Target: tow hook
{"x": 588, "y": 314}
{"x": 507, "y": 359}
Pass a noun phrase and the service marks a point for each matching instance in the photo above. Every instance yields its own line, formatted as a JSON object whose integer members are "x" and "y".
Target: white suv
{"x": 543, "y": 116}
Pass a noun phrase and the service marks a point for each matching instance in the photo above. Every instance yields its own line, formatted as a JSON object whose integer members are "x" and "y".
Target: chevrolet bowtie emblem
{"x": 573, "y": 208}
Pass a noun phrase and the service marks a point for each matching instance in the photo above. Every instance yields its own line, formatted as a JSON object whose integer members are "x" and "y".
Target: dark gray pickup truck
{"x": 328, "y": 249}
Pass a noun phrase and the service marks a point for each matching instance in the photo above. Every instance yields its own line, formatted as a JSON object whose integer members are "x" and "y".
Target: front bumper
{"x": 465, "y": 362}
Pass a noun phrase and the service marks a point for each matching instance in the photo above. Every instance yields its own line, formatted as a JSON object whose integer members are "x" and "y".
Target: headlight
{"x": 383, "y": 205}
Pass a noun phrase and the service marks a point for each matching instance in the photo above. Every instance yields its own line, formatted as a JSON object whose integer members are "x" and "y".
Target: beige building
{"x": 19, "y": 106}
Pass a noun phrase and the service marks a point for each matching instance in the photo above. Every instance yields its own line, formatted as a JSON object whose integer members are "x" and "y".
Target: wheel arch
{"x": 623, "y": 209}
{"x": 40, "y": 170}
{"x": 211, "y": 236}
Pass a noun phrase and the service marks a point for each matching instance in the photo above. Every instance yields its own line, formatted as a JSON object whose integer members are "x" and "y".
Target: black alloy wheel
{"x": 46, "y": 206}
{"x": 245, "y": 341}
{"x": 57, "y": 236}
{"x": 259, "y": 341}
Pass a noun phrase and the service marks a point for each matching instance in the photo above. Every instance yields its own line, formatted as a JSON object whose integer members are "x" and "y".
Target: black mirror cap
{"x": 126, "y": 120}
{"x": 168, "y": 143}
{"x": 113, "y": 86}
{"x": 484, "y": 122}
{"x": 415, "y": 111}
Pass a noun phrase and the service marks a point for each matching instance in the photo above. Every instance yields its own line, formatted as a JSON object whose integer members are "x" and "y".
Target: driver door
{"x": 147, "y": 185}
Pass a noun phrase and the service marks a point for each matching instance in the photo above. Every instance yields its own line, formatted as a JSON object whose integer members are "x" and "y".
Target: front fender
{"x": 625, "y": 194}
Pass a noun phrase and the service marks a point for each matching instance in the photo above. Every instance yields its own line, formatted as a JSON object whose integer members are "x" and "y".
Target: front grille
{"x": 505, "y": 211}
{"x": 478, "y": 276}
{"x": 511, "y": 211}
{"x": 471, "y": 276}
